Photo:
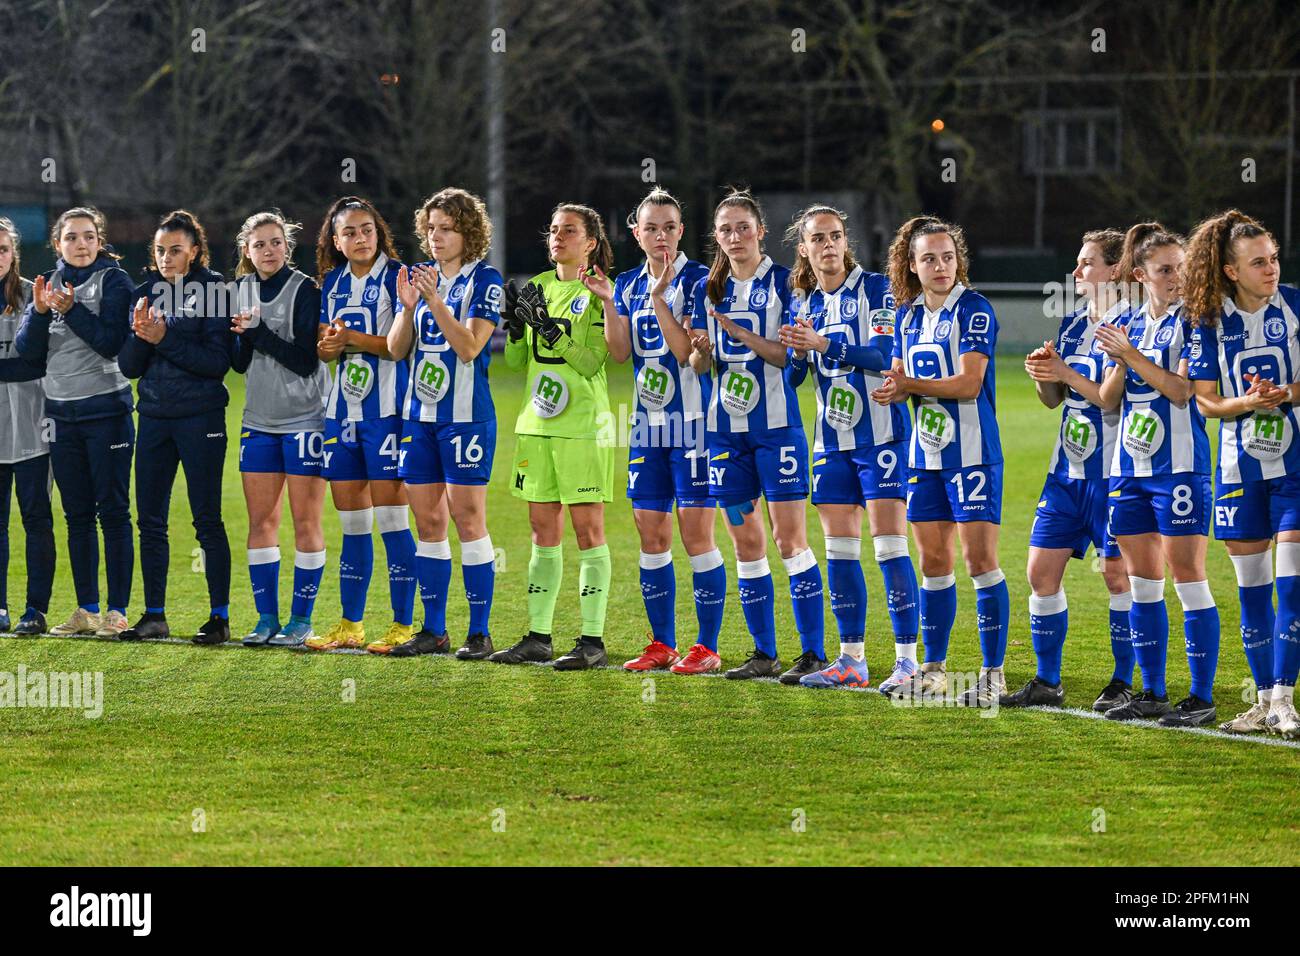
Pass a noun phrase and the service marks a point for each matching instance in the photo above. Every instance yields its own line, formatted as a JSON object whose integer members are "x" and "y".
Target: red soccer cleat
{"x": 699, "y": 660}
{"x": 656, "y": 656}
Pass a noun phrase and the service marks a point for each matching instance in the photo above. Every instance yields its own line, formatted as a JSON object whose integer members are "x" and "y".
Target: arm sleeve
{"x": 1202, "y": 355}
{"x": 32, "y": 339}
{"x": 516, "y": 352}
{"x": 134, "y": 357}
{"x": 796, "y": 369}
{"x": 107, "y": 332}
{"x": 866, "y": 357}
{"x": 208, "y": 356}
{"x": 978, "y": 330}
{"x": 585, "y": 357}
{"x": 896, "y": 352}
{"x": 486, "y": 301}
{"x": 298, "y": 356}
{"x": 241, "y": 351}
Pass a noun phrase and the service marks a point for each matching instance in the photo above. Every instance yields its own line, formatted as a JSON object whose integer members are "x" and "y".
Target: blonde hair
{"x": 268, "y": 217}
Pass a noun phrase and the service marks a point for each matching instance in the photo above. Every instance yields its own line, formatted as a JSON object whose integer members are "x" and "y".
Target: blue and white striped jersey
{"x": 667, "y": 395}
{"x": 946, "y": 433}
{"x": 749, "y": 395}
{"x": 1156, "y": 437}
{"x": 366, "y": 386}
{"x": 1262, "y": 444}
{"x": 442, "y": 388}
{"x": 1085, "y": 443}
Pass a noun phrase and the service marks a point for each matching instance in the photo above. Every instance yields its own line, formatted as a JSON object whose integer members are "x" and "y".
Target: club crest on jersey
{"x": 849, "y": 308}
{"x": 431, "y": 380}
{"x": 758, "y": 298}
{"x": 942, "y": 329}
{"x": 550, "y": 395}
{"x": 1165, "y": 336}
{"x": 843, "y": 408}
{"x": 371, "y": 295}
{"x": 655, "y": 387}
{"x": 1275, "y": 329}
{"x": 578, "y": 304}
{"x": 457, "y": 293}
{"x": 738, "y": 391}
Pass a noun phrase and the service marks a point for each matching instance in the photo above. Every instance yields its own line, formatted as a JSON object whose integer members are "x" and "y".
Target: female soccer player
{"x": 1072, "y": 509}
{"x": 1244, "y": 362}
{"x": 280, "y": 441}
{"x": 24, "y": 448}
{"x": 846, "y": 325}
{"x": 358, "y": 268}
{"x": 1160, "y": 479}
{"x": 667, "y": 458}
{"x": 179, "y": 349}
{"x": 557, "y": 336}
{"x": 754, "y": 433}
{"x": 75, "y": 325}
{"x": 449, "y": 309}
{"x": 943, "y": 349}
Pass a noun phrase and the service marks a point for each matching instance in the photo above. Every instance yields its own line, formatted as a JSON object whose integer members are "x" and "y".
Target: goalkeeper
{"x": 556, "y": 334}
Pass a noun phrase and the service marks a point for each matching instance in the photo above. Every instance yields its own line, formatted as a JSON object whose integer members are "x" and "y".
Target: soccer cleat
{"x": 757, "y": 664}
{"x": 424, "y": 642}
{"x": 844, "y": 671}
{"x": 656, "y": 656}
{"x": 215, "y": 630}
{"x": 1282, "y": 719}
{"x": 33, "y": 622}
{"x": 477, "y": 647}
{"x": 809, "y": 662}
{"x": 81, "y": 622}
{"x": 113, "y": 624}
{"x": 1115, "y": 694}
{"x": 698, "y": 660}
{"x": 904, "y": 670}
{"x": 267, "y": 627}
{"x": 150, "y": 625}
{"x": 587, "y": 653}
{"x": 1251, "y": 721}
{"x": 343, "y": 634}
{"x": 1145, "y": 704}
{"x": 1037, "y": 693}
{"x": 530, "y": 649}
{"x": 988, "y": 690}
{"x": 6, "y": 625}
{"x": 1189, "y": 712}
{"x": 295, "y": 634}
{"x": 394, "y": 637}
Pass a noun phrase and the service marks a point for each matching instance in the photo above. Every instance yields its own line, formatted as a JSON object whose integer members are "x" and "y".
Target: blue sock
{"x": 1049, "y": 620}
{"x": 264, "y": 573}
{"x": 1258, "y": 621}
{"x": 308, "y": 567}
{"x": 152, "y": 610}
{"x": 659, "y": 593}
{"x": 756, "y": 603}
{"x": 356, "y": 561}
{"x": 1121, "y": 637}
{"x": 222, "y": 611}
{"x": 1286, "y": 635}
{"x": 900, "y": 586}
{"x": 847, "y": 586}
{"x": 1201, "y": 632}
{"x": 806, "y": 600}
{"x": 433, "y": 570}
{"x": 993, "y": 615}
{"x": 478, "y": 571}
{"x": 1149, "y": 622}
{"x": 92, "y": 608}
{"x": 709, "y": 583}
{"x": 394, "y": 523}
{"x": 938, "y": 612}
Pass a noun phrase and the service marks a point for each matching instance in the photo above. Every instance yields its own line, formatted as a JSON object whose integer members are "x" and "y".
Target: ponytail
{"x": 182, "y": 220}
{"x": 1205, "y": 285}
{"x": 84, "y": 212}
{"x": 327, "y": 254}
{"x": 603, "y": 255}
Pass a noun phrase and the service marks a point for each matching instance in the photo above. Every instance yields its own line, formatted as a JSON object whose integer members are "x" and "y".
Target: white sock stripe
{"x": 392, "y": 518}
{"x": 1121, "y": 602}
{"x": 477, "y": 552}
{"x": 890, "y": 546}
{"x": 1253, "y": 570}
{"x": 706, "y": 561}
{"x": 1288, "y": 559}
{"x": 1147, "y": 590}
{"x": 1194, "y": 595}
{"x": 1047, "y": 604}
{"x": 843, "y": 549}
{"x": 361, "y": 521}
{"x": 653, "y": 562}
{"x": 938, "y": 584}
{"x": 752, "y": 569}
{"x": 988, "y": 579}
{"x": 309, "y": 560}
{"x": 800, "y": 562}
{"x": 263, "y": 555}
{"x": 433, "y": 549}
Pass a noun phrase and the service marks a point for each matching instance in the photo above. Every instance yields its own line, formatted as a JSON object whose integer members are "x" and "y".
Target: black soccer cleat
{"x": 1116, "y": 694}
{"x": 1144, "y": 705}
{"x": 1190, "y": 712}
{"x": 757, "y": 664}
{"x": 1037, "y": 693}
{"x": 424, "y": 642}
{"x": 477, "y": 647}
{"x": 215, "y": 631}
{"x": 32, "y": 623}
{"x": 531, "y": 649}
{"x": 151, "y": 626}
{"x": 806, "y": 663}
{"x": 589, "y": 652}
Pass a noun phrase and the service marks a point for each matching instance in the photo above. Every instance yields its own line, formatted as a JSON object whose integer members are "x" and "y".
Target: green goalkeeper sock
{"x": 593, "y": 577}
{"x": 545, "y": 571}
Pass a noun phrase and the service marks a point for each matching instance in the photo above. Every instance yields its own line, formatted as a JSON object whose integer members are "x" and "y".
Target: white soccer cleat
{"x": 1283, "y": 720}
{"x": 1249, "y": 722}
{"x": 81, "y": 622}
{"x": 987, "y": 691}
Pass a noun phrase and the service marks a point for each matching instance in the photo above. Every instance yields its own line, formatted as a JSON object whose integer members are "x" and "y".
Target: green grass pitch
{"x": 233, "y": 756}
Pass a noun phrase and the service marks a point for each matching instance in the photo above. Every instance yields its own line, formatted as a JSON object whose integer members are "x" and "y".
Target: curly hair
{"x": 720, "y": 267}
{"x": 268, "y": 217}
{"x": 182, "y": 220}
{"x": 903, "y": 282}
{"x": 327, "y": 255}
{"x": 83, "y": 212}
{"x": 12, "y": 285}
{"x": 467, "y": 211}
{"x": 802, "y": 276}
{"x": 603, "y": 255}
{"x": 1205, "y": 285}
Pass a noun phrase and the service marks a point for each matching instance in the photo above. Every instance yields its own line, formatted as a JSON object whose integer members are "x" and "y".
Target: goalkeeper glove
{"x": 514, "y": 325}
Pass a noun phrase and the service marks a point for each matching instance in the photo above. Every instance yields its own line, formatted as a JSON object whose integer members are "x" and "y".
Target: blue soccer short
{"x": 973, "y": 493}
{"x": 366, "y": 450}
{"x": 658, "y": 477}
{"x": 861, "y": 475}
{"x": 771, "y": 463}
{"x": 294, "y": 453}
{"x": 1073, "y": 513}
{"x": 455, "y": 453}
{"x": 1172, "y": 505}
{"x": 1256, "y": 510}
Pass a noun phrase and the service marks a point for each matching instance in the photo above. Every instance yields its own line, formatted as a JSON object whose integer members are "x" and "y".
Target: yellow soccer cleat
{"x": 343, "y": 634}
{"x": 397, "y": 634}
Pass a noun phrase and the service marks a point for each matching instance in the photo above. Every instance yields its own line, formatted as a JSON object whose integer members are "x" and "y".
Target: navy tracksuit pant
{"x": 196, "y": 443}
{"x": 31, "y": 479}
